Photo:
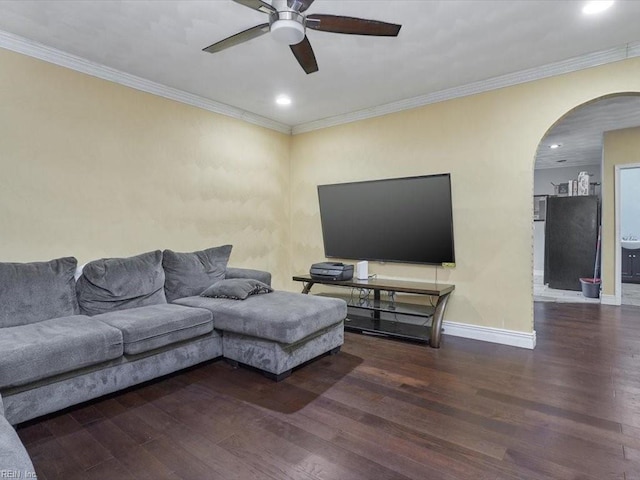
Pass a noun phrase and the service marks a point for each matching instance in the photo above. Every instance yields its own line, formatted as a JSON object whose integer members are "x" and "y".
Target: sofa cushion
{"x": 112, "y": 284}
{"x": 236, "y": 289}
{"x": 283, "y": 317}
{"x": 190, "y": 274}
{"x": 32, "y": 292}
{"x": 44, "y": 349}
{"x": 147, "y": 328}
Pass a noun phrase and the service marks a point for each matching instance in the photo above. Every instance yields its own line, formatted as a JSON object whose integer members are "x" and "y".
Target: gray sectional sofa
{"x": 68, "y": 336}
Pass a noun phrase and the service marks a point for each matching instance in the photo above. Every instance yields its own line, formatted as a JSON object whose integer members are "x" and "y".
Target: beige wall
{"x": 621, "y": 147}
{"x": 91, "y": 168}
{"x": 488, "y": 143}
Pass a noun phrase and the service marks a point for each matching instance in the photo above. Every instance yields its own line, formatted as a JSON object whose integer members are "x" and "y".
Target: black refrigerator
{"x": 571, "y": 237}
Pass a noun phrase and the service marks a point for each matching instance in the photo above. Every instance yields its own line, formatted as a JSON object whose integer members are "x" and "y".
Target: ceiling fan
{"x": 288, "y": 24}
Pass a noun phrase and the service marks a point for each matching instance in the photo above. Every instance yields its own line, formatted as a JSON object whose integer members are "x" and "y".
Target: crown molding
{"x": 24, "y": 46}
{"x": 558, "y": 68}
{"x": 37, "y": 50}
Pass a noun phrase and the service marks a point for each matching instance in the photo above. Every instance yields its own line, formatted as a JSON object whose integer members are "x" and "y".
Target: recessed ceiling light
{"x": 596, "y": 6}
{"x": 283, "y": 100}
{"x": 553, "y": 146}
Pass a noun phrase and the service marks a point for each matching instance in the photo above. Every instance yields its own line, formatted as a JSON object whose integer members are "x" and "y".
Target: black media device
{"x": 406, "y": 220}
{"x": 331, "y": 271}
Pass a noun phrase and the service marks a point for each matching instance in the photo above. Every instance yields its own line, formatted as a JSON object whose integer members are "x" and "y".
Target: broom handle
{"x": 595, "y": 267}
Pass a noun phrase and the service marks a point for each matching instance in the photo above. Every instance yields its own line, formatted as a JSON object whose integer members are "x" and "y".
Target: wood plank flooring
{"x": 631, "y": 294}
{"x": 380, "y": 409}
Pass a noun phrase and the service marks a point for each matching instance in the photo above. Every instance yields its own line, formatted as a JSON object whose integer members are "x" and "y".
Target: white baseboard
{"x": 491, "y": 334}
{"x": 610, "y": 300}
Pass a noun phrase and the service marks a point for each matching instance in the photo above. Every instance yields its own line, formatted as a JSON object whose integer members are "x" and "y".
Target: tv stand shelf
{"x": 372, "y": 314}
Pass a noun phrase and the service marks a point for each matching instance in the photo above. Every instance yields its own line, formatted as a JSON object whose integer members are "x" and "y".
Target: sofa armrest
{"x": 14, "y": 459}
{"x": 260, "y": 275}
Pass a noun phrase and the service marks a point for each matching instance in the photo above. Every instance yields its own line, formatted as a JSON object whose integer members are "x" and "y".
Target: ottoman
{"x": 278, "y": 331}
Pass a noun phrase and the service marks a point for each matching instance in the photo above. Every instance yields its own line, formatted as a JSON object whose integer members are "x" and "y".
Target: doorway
{"x": 628, "y": 232}
{"x": 572, "y": 145}
{"x": 557, "y": 270}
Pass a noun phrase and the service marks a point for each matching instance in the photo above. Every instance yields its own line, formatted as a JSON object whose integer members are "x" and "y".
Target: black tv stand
{"x": 405, "y": 321}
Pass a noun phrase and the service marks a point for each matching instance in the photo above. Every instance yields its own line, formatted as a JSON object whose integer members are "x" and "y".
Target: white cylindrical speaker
{"x": 362, "y": 270}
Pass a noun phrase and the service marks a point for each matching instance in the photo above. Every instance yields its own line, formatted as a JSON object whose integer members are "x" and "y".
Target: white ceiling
{"x": 580, "y": 132}
{"x": 445, "y": 49}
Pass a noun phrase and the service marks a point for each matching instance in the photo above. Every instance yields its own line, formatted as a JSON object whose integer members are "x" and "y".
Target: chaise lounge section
{"x": 273, "y": 333}
{"x": 277, "y": 332}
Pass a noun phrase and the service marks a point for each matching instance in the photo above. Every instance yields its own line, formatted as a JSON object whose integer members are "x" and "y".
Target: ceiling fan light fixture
{"x": 287, "y": 31}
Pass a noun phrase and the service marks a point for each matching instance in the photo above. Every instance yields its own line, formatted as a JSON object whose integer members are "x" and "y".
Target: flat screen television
{"x": 406, "y": 220}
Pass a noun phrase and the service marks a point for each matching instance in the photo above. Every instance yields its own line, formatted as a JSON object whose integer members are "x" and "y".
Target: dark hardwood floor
{"x": 380, "y": 409}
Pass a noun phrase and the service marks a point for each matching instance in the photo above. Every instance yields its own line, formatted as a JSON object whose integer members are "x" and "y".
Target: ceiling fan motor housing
{"x": 287, "y": 27}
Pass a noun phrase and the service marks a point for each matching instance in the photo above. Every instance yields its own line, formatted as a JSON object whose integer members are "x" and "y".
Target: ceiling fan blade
{"x": 258, "y": 5}
{"x": 351, "y": 25}
{"x": 299, "y": 5}
{"x": 238, "y": 38}
{"x": 305, "y": 56}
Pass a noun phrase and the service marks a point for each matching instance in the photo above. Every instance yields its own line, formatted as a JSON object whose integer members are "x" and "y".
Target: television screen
{"x": 406, "y": 220}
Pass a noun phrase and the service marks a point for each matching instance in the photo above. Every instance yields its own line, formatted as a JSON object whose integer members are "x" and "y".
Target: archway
{"x": 575, "y": 143}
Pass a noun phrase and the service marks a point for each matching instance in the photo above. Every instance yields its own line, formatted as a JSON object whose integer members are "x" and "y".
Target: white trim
{"x": 58, "y": 57}
{"x": 538, "y": 275}
{"x": 79, "y": 64}
{"x": 617, "y": 259}
{"x": 491, "y": 334}
{"x": 615, "y": 54}
{"x": 633, "y": 49}
{"x": 618, "y": 245}
{"x": 610, "y": 300}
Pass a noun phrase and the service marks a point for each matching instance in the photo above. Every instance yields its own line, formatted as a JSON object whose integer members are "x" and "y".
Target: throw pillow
{"x": 189, "y": 274}
{"x": 236, "y": 289}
